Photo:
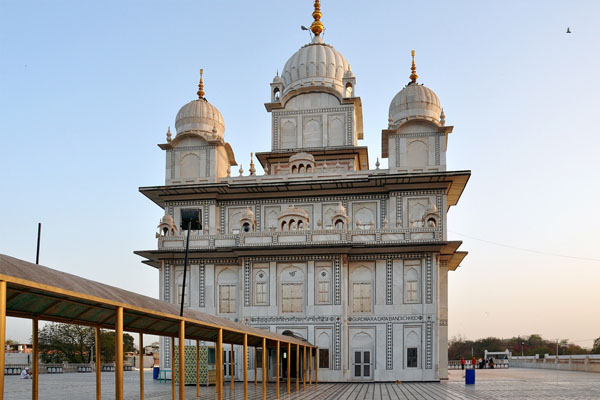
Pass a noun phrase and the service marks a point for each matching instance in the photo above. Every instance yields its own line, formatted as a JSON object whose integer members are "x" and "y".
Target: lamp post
{"x": 191, "y": 219}
{"x": 522, "y": 344}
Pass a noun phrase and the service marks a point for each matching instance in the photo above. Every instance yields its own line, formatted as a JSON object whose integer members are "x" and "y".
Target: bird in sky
{"x": 568, "y": 30}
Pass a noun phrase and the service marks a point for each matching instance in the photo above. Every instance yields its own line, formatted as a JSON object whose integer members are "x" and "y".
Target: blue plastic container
{"x": 155, "y": 372}
{"x": 470, "y": 377}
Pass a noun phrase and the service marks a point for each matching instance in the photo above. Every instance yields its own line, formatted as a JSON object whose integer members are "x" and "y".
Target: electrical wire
{"x": 527, "y": 250}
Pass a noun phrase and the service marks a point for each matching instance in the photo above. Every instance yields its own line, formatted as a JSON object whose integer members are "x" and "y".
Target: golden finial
{"x": 317, "y": 26}
{"x": 201, "y": 86}
{"x": 413, "y": 69}
{"x": 252, "y": 169}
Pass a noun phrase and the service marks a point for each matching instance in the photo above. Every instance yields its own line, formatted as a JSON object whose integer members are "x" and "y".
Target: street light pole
{"x": 522, "y": 344}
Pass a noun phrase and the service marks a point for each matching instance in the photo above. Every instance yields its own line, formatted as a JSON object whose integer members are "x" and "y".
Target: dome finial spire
{"x": 413, "y": 69}
{"x": 200, "y": 92}
{"x": 317, "y": 26}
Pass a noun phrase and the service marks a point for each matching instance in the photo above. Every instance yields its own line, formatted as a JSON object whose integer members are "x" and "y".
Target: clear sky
{"x": 87, "y": 90}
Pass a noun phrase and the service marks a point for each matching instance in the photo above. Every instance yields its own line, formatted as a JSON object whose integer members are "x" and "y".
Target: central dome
{"x": 315, "y": 64}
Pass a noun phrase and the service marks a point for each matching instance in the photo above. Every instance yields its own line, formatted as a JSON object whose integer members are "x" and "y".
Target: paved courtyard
{"x": 514, "y": 383}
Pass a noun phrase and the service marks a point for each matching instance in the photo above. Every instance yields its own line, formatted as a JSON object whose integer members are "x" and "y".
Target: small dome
{"x": 339, "y": 209}
{"x": 199, "y": 116}
{"x": 315, "y": 65}
{"x": 248, "y": 214}
{"x": 348, "y": 73}
{"x": 277, "y": 79}
{"x": 415, "y": 101}
{"x": 293, "y": 211}
{"x": 431, "y": 208}
{"x": 167, "y": 219}
{"x": 302, "y": 157}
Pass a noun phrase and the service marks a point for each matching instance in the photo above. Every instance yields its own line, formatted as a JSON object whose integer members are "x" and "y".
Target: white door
{"x": 363, "y": 364}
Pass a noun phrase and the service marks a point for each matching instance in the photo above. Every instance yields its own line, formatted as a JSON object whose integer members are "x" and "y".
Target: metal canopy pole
{"x": 289, "y": 357}
{"x": 142, "y": 352}
{"x": 231, "y": 366}
{"x": 35, "y": 362}
{"x": 264, "y": 365}
{"x": 197, "y": 368}
{"x": 181, "y": 360}
{"x": 304, "y": 368}
{"x": 98, "y": 366}
{"x": 219, "y": 366}
{"x": 316, "y": 365}
{"x": 297, "y": 367}
{"x": 310, "y": 366}
{"x": 119, "y": 354}
{"x": 173, "y": 367}
{"x": 2, "y": 334}
{"x": 255, "y": 368}
{"x": 277, "y": 370}
{"x": 245, "y": 361}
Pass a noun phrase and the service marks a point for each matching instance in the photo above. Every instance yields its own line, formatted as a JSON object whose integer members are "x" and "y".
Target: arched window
{"x": 300, "y": 225}
{"x": 361, "y": 290}
{"x": 292, "y": 225}
{"x": 292, "y": 290}
{"x": 283, "y": 226}
{"x": 276, "y": 94}
{"x": 301, "y": 169}
{"x": 227, "y": 281}
{"x": 348, "y": 89}
{"x": 339, "y": 224}
{"x": 411, "y": 286}
{"x": 323, "y": 341}
{"x": 308, "y": 169}
{"x": 431, "y": 223}
{"x": 261, "y": 287}
{"x": 187, "y": 288}
{"x": 246, "y": 227}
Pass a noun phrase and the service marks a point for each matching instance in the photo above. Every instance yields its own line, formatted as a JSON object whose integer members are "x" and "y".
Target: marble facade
{"x": 352, "y": 259}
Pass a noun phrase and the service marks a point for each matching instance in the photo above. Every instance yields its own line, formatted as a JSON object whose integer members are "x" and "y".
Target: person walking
{"x": 462, "y": 363}
{"x": 474, "y": 362}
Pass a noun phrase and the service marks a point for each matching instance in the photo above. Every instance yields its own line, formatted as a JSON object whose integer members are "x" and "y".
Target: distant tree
{"x": 73, "y": 343}
{"x": 107, "y": 345}
{"x": 534, "y": 344}
{"x": 596, "y": 347}
{"x": 64, "y": 342}
{"x": 10, "y": 341}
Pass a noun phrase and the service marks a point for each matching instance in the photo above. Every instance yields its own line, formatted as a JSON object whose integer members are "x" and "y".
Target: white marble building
{"x": 353, "y": 259}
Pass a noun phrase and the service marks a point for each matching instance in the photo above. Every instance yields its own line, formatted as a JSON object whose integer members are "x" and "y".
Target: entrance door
{"x": 362, "y": 364}
{"x": 228, "y": 364}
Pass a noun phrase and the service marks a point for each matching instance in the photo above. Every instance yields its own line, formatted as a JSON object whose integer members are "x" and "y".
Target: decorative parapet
{"x": 323, "y": 237}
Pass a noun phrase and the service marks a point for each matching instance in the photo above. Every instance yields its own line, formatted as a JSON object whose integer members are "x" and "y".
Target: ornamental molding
{"x": 389, "y": 346}
{"x": 313, "y": 111}
{"x": 429, "y": 345}
{"x": 190, "y": 203}
{"x": 204, "y": 261}
{"x": 191, "y": 148}
{"x": 309, "y": 319}
{"x": 429, "y": 278}
{"x": 417, "y": 134}
{"x": 399, "y": 256}
{"x": 388, "y": 318}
